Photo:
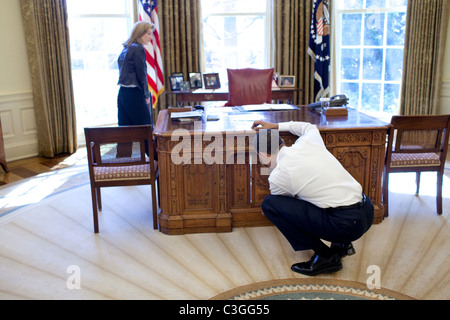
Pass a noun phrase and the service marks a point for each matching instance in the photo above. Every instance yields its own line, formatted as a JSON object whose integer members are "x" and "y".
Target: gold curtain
{"x": 180, "y": 40}
{"x": 292, "y": 21}
{"x": 47, "y": 39}
{"x": 424, "y": 56}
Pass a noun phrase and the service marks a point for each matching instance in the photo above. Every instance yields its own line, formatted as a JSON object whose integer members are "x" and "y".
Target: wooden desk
{"x": 285, "y": 95}
{"x": 220, "y": 186}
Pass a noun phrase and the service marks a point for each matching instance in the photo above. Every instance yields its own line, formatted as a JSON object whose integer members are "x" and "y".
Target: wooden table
{"x": 279, "y": 95}
{"x": 220, "y": 184}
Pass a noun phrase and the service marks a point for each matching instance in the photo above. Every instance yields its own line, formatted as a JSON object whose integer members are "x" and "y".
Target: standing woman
{"x": 133, "y": 102}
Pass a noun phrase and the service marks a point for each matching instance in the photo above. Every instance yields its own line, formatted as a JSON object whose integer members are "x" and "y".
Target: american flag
{"x": 319, "y": 48}
{"x": 148, "y": 12}
{"x": 320, "y": 27}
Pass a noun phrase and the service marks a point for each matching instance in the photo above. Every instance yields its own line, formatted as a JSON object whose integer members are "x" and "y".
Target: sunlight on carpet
{"x": 405, "y": 183}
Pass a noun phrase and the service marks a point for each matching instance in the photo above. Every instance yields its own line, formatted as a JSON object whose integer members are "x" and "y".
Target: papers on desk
{"x": 186, "y": 116}
{"x": 267, "y": 107}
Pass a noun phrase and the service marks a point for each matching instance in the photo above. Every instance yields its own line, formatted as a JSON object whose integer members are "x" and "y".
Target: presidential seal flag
{"x": 148, "y": 12}
{"x": 319, "y": 47}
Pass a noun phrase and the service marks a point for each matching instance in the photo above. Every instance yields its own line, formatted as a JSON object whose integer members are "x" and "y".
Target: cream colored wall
{"x": 16, "y": 100}
{"x": 15, "y": 73}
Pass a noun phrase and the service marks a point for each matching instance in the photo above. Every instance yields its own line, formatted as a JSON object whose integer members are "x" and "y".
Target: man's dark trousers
{"x": 304, "y": 224}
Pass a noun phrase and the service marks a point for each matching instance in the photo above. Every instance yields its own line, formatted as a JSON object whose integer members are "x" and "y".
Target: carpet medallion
{"x": 309, "y": 289}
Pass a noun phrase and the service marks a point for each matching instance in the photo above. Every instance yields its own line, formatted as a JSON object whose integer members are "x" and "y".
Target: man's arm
{"x": 297, "y": 128}
{"x": 263, "y": 125}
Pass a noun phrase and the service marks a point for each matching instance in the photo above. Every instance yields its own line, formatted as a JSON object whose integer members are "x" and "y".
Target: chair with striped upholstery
{"x": 417, "y": 144}
{"x": 119, "y": 156}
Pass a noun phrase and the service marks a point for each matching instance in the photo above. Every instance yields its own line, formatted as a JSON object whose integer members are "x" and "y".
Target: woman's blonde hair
{"x": 139, "y": 29}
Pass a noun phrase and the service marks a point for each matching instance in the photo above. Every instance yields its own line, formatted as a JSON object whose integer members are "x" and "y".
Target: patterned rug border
{"x": 272, "y": 288}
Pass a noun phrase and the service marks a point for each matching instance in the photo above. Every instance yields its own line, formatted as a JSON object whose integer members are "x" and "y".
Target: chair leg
{"x": 417, "y": 182}
{"x": 439, "y": 192}
{"x": 94, "y": 209}
{"x": 99, "y": 199}
{"x": 386, "y": 193}
{"x": 154, "y": 207}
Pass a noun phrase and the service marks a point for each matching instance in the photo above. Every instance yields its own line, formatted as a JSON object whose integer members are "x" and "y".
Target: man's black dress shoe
{"x": 318, "y": 265}
{"x": 343, "y": 249}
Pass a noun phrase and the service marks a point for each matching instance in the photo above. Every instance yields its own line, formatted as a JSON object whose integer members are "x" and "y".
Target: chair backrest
{"x": 419, "y": 134}
{"x": 249, "y": 86}
{"x": 120, "y": 146}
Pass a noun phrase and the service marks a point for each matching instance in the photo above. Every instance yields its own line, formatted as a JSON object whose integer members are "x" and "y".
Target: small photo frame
{"x": 177, "y": 74}
{"x": 175, "y": 82}
{"x": 195, "y": 80}
{"x": 287, "y": 81}
{"x": 184, "y": 86}
{"x": 212, "y": 81}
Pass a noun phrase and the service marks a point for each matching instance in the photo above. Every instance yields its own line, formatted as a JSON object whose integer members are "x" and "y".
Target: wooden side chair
{"x": 249, "y": 86}
{"x": 417, "y": 144}
{"x": 119, "y": 156}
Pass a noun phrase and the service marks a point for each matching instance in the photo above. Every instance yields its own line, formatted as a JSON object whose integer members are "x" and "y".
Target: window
{"x": 97, "y": 31}
{"x": 370, "y": 37}
{"x": 236, "y": 34}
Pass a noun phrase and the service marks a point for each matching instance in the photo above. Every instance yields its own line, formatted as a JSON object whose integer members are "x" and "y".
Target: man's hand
{"x": 263, "y": 125}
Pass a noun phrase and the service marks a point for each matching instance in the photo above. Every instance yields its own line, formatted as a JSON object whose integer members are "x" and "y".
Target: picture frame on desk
{"x": 175, "y": 82}
{"x": 177, "y": 74}
{"x": 212, "y": 81}
{"x": 185, "y": 86}
{"x": 195, "y": 80}
{"x": 287, "y": 81}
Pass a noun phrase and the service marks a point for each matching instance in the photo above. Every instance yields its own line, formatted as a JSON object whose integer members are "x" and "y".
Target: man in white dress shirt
{"x": 313, "y": 197}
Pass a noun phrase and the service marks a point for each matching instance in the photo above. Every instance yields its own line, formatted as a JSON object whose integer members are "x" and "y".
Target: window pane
{"x": 373, "y": 64}
{"x": 94, "y": 39}
{"x": 370, "y": 98}
{"x": 233, "y": 6}
{"x": 391, "y": 98}
{"x": 397, "y": 3}
{"x": 75, "y": 7}
{"x": 350, "y": 4}
{"x": 350, "y": 64}
{"x": 394, "y": 64}
{"x": 351, "y": 90}
{"x": 375, "y": 3}
{"x": 233, "y": 42}
{"x": 396, "y": 29}
{"x": 374, "y": 29}
{"x": 351, "y": 29}
{"x": 371, "y": 72}
{"x": 95, "y": 46}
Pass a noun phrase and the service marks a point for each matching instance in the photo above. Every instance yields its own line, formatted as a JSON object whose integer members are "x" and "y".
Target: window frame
{"x": 131, "y": 16}
{"x": 268, "y": 18}
{"x": 337, "y": 14}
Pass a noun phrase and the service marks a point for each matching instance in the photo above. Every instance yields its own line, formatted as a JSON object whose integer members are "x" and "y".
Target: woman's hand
{"x": 262, "y": 125}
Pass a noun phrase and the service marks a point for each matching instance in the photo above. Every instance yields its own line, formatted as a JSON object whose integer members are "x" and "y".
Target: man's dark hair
{"x": 267, "y": 141}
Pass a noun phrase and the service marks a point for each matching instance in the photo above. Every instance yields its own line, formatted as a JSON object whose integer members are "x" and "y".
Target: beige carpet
{"x": 48, "y": 249}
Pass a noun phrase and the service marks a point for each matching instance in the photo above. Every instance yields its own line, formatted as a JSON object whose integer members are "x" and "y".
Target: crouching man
{"x": 313, "y": 198}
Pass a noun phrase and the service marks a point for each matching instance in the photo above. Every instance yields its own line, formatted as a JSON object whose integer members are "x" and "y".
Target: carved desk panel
{"x": 211, "y": 179}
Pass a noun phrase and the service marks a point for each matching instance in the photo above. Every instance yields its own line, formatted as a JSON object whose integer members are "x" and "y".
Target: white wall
{"x": 16, "y": 99}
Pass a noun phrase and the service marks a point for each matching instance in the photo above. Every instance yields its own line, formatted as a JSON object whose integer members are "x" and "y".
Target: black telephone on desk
{"x": 335, "y": 101}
